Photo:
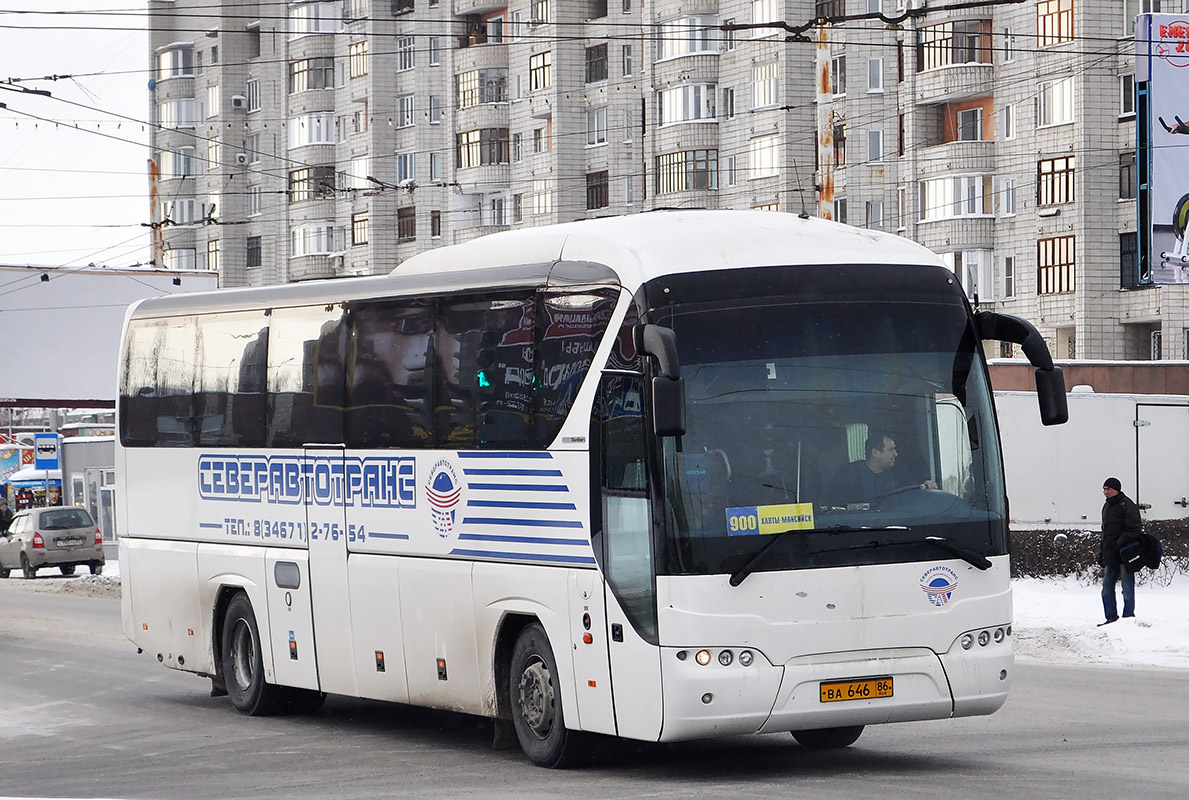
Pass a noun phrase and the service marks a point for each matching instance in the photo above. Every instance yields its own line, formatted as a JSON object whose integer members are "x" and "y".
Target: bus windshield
{"x": 859, "y": 427}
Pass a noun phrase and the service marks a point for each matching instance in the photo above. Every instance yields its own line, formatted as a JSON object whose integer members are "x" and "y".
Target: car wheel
{"x": 243, "y": 667}
{"x": 96, "y": 567}
{"x": 67, "y": 569}
{"x": 828, "y": 738}
{"x": 29, "y": 570}
{"x": 536, "y": 702}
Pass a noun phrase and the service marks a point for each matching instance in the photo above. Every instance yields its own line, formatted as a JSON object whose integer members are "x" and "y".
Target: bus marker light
{"x": 726, "y": 657}
{"x": 189, "y": 631}
{"x": 999, "y": 634}
{"x": 745, "y": 658}
{"x": 441, "y": 669}
{"x": 144, "y": 626}
{"x": 703, "y": 657}
{"x": 587, "y": 638}
{"x": 379, "y": 661}
{"x": 682, "y": 655}
{"x": 967, "y": 641}
{"x": 983, "y": 638}
{"x": 707, "y": 698}
{"x": 592, "y": 684}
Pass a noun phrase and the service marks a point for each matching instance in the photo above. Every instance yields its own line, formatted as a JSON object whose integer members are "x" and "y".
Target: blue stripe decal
{"x": 525, "y": 523}
{"x": 216, "y": 525}
{"x": 520, "y": 487}
{"x": 525, "y": 556}
{"x": 522, "y": 504}
{"x": 548, "y": 473}
{"x": 494, "y": 454}
{"x": 378, "y": 535}
{"x": 491, "y": 537}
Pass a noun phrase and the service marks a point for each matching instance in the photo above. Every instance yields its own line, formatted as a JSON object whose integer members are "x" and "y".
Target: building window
{"x": 765, "y": 156}
{"x": 311, "y": 239}
{"x": 406, "y": 166}
{"x": 627, "y": 126}
{"x": 542, "y": 196}
{"x": 627, "y": 60}
{"x": 360, "y": 228}
{"x": 317, "y": 128}
{"x": 840, "y": 210}
{"x": 685, "y": 103}
{"x": 728, "y": 103}
{"x": 435, "y": 166}
{"x": 312, "y": 18}
{"x": 540, "y": 71}
{"x": 214, "y": 154}
{"x": 970, "y": 125}
{"x": 1009, "y": 277}
{"x": 1009, "y": 121}
{"x": 1009, "y": 46}
{"x": 875, "y": 145}
{"x": 214, "y": 249}
{"x": 875, "y": 214}
{"x": 406, "y": 224}
{"x": 1127, "y": 175}
{"x": 311, "y": 73}
{"x": 406, "y": 53}
{"x": 838, "y": 76}
{"x": 687, "y": 36}
{"x": 468, "y": 88}
{"x": 518, "y": 208}
{"x": 484, "y": 146}
{"x": 1157, "y": 345}
{"x": 875, "y": 74}
{"x": 947, "y": 43}
{"x": 357, "y": 59}
{"x": 179, "y": 163}
{"x": 687, "y": 170}
{"x": 1054, "y": 102}
{"x": 1129, "y": 277}
{"x": 839, "y": 145}
{"x": 175, "y": 63}
{"x": 1008, "y": 208}
{"x": 1055, "y": 265}
{"x": 1054, "y": 181}
{"x": 311, "y": 183}
{"x": 596, "y": 127}
{"x": 435, "y": 51}
{"x": 180, "y": 258}
{"x": 435, "y": 224}
{"x": 254, "y": 258}
{"x": 254, "y": 201}
{"x": 596, "y": 63}
{"x": 540, "y": 140}
{"x": 179, "y": 212}
{"x": 729, "y": 171}
{"x": 955, "y": 196}
{"x": 629, "y": 189}
{"x": 176, "y": 113}
{"x": 765, "y": 85}
{"x": 405, "y": 111}
{"x": 1054, "y": 22}
{"x": 252, "y": 90}
{"x": 901, "y": 208}
{"x": 542, "y": 13}
{"x": 1127, "y": 95}
{"x": 597, "y": 190}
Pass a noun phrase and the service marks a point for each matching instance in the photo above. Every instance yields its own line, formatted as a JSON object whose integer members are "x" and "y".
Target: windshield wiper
{"x": 971, "y": 557}
{"x": 741, "y": 574}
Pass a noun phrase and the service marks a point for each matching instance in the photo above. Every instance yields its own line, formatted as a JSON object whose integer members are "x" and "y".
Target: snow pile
{"x": 1056, "y": 620}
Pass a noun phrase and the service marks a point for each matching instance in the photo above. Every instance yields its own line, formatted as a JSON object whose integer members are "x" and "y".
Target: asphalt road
{"x": 82, "y": 715}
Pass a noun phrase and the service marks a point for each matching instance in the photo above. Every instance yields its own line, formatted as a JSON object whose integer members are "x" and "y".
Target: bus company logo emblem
{"x": 939, "y": 584}
{"x": 444, "y": 493}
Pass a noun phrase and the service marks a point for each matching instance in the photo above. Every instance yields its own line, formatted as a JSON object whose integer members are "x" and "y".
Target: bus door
{"x": 627, "y": 559}
{"x": 326, "y": 530}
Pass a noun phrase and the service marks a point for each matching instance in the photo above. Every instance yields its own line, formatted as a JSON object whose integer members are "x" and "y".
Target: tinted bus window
{"x": 389, "y": 375}
{"x": 572, "y": 325}
{"x": 229, "y": 384}
{"x": 484, "y": 380}
{"x": 305, "y": 376}
{"x": 157, "y": 395}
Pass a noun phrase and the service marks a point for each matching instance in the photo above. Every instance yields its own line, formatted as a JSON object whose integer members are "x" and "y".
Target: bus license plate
{"x": 869, "y": 689}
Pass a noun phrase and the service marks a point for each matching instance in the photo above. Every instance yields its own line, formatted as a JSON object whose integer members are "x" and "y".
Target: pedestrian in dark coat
{"x": 5, "y": 514}
{"x": 1121, "y": 524}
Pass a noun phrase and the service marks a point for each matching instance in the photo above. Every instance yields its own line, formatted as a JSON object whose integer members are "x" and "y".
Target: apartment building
{"x": 318, "y": 139}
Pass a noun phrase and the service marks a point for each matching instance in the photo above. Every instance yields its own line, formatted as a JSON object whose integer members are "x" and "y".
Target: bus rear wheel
{"x": 536, "y": 702}
{"x": 243, "y": 665}
{"x": 828, "y": 738}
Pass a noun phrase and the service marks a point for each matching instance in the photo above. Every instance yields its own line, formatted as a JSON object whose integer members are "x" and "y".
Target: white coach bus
{"x": 665, "y": 476}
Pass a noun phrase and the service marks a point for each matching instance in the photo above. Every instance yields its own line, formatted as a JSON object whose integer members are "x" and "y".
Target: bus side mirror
{"x": 1050, "y": 381}
{"x": 668, "y": 388}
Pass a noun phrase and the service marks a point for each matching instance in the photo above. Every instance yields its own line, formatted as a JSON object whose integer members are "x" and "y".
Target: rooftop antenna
{"x": 797, "y": 174}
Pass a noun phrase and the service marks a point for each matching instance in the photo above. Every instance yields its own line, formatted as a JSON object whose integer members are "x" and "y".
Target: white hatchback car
{"x": 58, "y": 536}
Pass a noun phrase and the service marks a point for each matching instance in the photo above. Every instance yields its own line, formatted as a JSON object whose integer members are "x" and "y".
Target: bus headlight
{"x": 745, "y": 658}
{"x": 703, "y": 657}
{"x": 983, "y": 638}
{"x": 967, "y": 641}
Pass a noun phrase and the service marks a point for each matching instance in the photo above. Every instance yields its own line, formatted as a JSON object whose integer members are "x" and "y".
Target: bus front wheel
{"x": 243, "y": 667}
{"x": 827, "y": 738}
{"x": 536, "y": 702}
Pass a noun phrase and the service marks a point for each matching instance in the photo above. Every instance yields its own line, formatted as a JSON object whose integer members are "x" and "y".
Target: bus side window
{"x": 157, "y": 395}
{"x": 305, "y": 376}
{"x": 229, "y": 384}
{"x": 389, "y": 375}
{"x": 570, "y": 327}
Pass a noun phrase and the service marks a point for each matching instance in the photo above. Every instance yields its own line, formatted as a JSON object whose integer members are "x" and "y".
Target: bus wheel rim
{"x": 536, "y": 698}
{"x": 242, "y": 654}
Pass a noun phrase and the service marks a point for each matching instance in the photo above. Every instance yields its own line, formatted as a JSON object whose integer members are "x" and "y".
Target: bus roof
{"x": 630, "y": 250}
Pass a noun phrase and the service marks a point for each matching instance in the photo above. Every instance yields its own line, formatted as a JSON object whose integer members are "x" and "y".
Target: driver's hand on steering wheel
{"x": 928, "y": 484}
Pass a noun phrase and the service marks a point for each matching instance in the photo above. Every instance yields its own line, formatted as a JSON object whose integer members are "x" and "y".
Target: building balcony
{"x": 955, "y": 82}
{"x": 958, "y": 233}
{"x": 304, "y": 268}
{"x": 463, "y": 8}
{"x": 484, "y": 57}
{"x": 177, "y": 87}
{"x": 484, "y": 115}
{"x": 484, "y": 176}
{"x": 955, "y": 158}
{"x": 697, "y": 68}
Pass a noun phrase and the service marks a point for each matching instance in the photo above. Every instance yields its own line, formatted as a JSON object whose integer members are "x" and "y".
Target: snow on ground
{"x": 1056, "y": 620}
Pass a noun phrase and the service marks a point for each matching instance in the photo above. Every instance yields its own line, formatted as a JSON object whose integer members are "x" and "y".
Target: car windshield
{"x": 63, "y": 518}
{"x": 862, "y": 425}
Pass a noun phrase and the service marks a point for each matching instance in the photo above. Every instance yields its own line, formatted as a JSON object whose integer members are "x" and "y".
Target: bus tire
{"x": 243, "y": 665}
{"x": 536, "y": 702}
{"x": 828, "y": 738}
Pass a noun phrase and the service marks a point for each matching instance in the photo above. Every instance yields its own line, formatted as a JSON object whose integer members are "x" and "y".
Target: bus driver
{"x": 863, "y": 481}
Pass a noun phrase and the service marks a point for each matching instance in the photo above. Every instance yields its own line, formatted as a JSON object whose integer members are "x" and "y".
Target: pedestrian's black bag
{"x": 1146, "y": 551}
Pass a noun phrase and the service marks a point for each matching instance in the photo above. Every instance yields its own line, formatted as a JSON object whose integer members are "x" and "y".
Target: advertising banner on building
{"x": 1162, "y": 80}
